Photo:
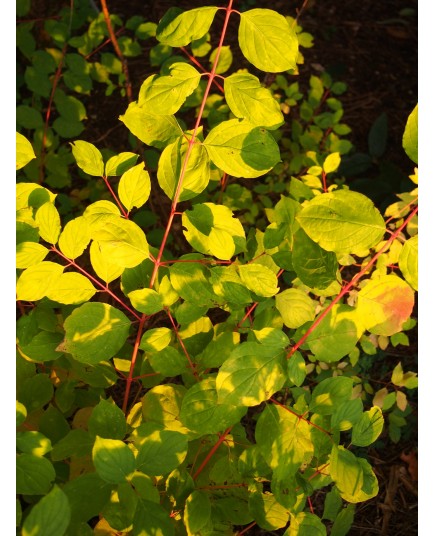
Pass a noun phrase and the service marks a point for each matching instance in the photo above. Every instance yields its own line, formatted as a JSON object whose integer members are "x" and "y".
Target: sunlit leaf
{"x": 368, "y": 428}
{"x": 408, "y": 261}
{"x": 296, "y": 307}
{"x": 75, "y": 237}
{"x": 50, "y": 516}
{"x": 88, "y": 158}
{"x": 71, "y": 288}
{"x": 178, "y": 28}
{"x": 134, "y": 187}
{"x": 29, "y": 254}
{"x": 410, "y": 137}
{"x": 36, "y": 281}
{"x": 113, "y": 460}
{"x": 48, "y": 220}
{"x": 24, "y": 151}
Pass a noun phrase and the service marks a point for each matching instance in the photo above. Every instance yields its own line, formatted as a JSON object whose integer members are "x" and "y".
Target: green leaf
{"x": 241, "y": 149}
{"x": 48, "y": 220}
{"x": 71, "y": 288}
{"x": 384, "y": 304}
{"x": 168, "y": 361}
{"x": 211, "y": 229}
{"x": 50, "y": 516}
{"x": 196, "y": 174}
{"x": 354, "y": 477}
{"x": 346, "y": 415}
{"x": 296, "y": 307}
{"x": 32, "y": 442}
{"x": 315, "y": 266}
{"x": 252, "y": 374}
{"x": 152, "y": 519}
{"x": 329, "y": 394}
{"x": 21, "y": 413}
{"x": 35, "y": 392}
{"x": 107, "y": 421}
{"x": 151, "y": 129}
{"x": 88, "y": 158}
{"x": 34, "y": 475}
{"x": 201, "y": 412}
{"x": 75, "y": 237}
{"x": 122, "y": 241}
{"x": 28, "y": 117}
{"x": 102, "y": 266}
{"x": 117, "y": 165}
{"x": 160, "y": 451}
{"x": 284, "y": 440}
{"x": 368, "y": 428}
{"x": 24, "y": 151}
{"x": 190, "y": 281}
{"x": 134, "y": 187}
{"x": 178, "y": 28}
{"x": 76, "y": 443}
{"x": 408, "y": 261}
{"x": 156, "y": 339}
{"x": 259, "y": 279}
{"x": 165, "y": 94}
{"x": 29, "y": 254}
{"x": 344, "y": 521}
{"x": 296, "y": 369}
{"x": 337, "y": 335}
{"x": 306, "y": 524}
{"x": 146, "y": 301}
{"x": 113, "y": 460}
{"x": 162, "y": 405}
{"x": 94, "y": 332}
{"x": 43, "y": 347}
{"x": 268, "y": 513}
{"x": 377, "y": 137}
{"x": 197, "y": 511}
{"x": 410, "y": 137}
{"x": 248, "y": 99}
{"x": 342, "y": 221}
{"x": 267, "y": 40}
{"x": 35, "y": 282}
{"x": 87, "y": 495}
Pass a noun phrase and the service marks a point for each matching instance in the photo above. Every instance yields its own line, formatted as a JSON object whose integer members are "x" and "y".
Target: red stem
{"x": 201, "y": 67}
{"x": 133, "y": 362}
{"x": 211, "y": 452}
{"x": 300, "y": 417}
{"x": 350, "y": 285}
{"x": 181, "y": 343}
{"x": 246, "y": 529}
{"x": 115, "y": 197}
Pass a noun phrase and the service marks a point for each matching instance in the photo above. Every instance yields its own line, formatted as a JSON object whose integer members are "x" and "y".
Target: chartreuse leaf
{"x": 156, "y": 339}
{"x": 252, "y": 374}
{"x": 342, "y": 221}
{"x": 21, "y": 413}
{"x": 368, "y": 428}
{"x": 146, "y": 301}
{"x": 24, "y": 151}
{"x": 159, "y": 450}
{"x": 331, "y": 163}
{"x": 151, "y": 129}
{"x": 32, "y": 195}
{"x": 88, "y": 158}
{"x": 94, "y": 332}
{"x": 196, "y": 175}
{"x": 122, "y": 241}
{"x": 227, "y": 284}
{"x": 329, "y": 394}
{"x": 33, "y": 442}
{"x": 29, "y": 254}
{"x": 113, "y": 460}
{"x": 50, "y": 516}
{"x": 259, "y": 279}
{"x": 197, "y": 511}
{"x": 152, "y": 519}
{"x": 36, "y": 281}
{"x": 408, "y": 261}
{"x": 178, "y": 28}
{"x": 117, "y": 165}
{"x": 305, "y": 524}
{"x": 71, "y": 288}
{"x": 410, "y": 137}
{"x": 212, "y": 229}
{"x": 34, "y": 475}
{"x": 248, "y": 99}
{"x": 102, "y": 266}
{"x": 267, "y": 40}
{"x": 284, "y": 440}
{"x": 315, "y": 266}
{"x": 201, "y": 412}
{"x": 48, "y": 220}
{"x": 242, "y": 149}
{"x": 189, "y": 279}
{"x": 295, "y": 307}
{"x": 384, "y": 304}
{"x": 75, "y": 237}
{"x": 87, "y": 495}
{"x": 107, "y": 421}
{"x": 166, "y": 94}
{"x": 162, "y": 404}
{"x": 337, "y": 334}
{"x": 99, "y": 212}
{"x": 354, "y": 477}
{"x": 267, "y": 512}
{"x": 134, "y": 187}
{"x": 296, "y": 369}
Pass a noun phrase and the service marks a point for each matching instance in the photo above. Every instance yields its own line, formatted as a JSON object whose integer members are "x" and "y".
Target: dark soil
{"x": 370, "y": 45}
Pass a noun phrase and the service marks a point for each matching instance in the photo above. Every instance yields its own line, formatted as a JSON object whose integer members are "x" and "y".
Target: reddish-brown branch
{"x": 301, "y": 417}
{"x": 201, "y": 67}
{"x": 244, "y": 531}
{"x": 106, "y": 42}
{"x": 118, "y": 51}
{"x": 350, "y": 285}
{"x": 115, "y": 197}
{"x": 211, "y": 452}
{"x": 181, "y": 343}
{"x": 133, "y": 362}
